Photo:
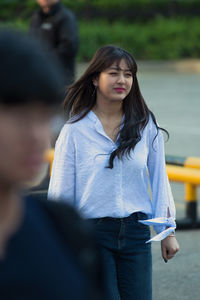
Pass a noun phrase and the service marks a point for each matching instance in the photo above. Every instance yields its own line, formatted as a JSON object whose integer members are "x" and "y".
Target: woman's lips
{"x": 119, "y": 90}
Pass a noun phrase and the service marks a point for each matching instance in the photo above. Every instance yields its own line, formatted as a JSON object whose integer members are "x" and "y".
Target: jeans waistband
{"x": 134, "y": 216}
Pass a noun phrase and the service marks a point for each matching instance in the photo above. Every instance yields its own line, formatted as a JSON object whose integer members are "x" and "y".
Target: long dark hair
{"x": 81, "y": 98}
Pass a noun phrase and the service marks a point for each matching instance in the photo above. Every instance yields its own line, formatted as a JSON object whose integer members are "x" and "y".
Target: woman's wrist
{"x": 171, "y": 234}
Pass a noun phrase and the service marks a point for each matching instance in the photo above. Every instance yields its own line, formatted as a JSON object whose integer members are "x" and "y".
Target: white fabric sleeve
{"x": 62, "y": 181}
{"x": 162, "y": 199}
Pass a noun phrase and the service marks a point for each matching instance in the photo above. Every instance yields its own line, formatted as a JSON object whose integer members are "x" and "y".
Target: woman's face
{"x": 114, "y": 83}
{"x": 24, "y": 137}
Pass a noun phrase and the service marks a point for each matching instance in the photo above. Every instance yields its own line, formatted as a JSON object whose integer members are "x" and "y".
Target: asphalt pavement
{"x": 179, "y": 278}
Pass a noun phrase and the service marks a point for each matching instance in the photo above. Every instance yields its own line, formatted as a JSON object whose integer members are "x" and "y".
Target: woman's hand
{"x": 169, "y": 247}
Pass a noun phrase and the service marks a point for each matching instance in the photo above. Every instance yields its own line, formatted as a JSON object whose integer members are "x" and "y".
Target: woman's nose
{"x": 121, "y": 78}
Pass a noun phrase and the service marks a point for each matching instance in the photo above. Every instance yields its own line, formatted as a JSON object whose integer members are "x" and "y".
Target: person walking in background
{"x": 46, "y": 249}
{"x": 56, "y": 26}
{"x": 100, "y": 167}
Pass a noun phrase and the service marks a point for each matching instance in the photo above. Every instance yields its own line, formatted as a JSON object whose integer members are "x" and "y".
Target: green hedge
{"x": 155, "y": 40}
{"x": 158, "y": 39}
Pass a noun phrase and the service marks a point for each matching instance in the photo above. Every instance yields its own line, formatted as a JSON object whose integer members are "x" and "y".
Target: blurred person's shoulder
{"x": 59, "y": 244}
{"x": 78, "y": 234}
{"x": 66, "y": 219}
{"x": 36, "y": 16}
{"x": 66, "y": 12}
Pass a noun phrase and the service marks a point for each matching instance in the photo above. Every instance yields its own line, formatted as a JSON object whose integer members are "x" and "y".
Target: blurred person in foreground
{"x": 46, "y": 251}
{"x": 56, "y": 26}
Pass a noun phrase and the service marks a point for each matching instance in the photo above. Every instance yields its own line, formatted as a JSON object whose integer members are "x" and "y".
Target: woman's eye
{"x": 128, "y": 75}
{"x": 113, "y": 73}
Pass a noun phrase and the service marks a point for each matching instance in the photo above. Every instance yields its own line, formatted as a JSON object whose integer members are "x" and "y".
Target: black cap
{"x": 27, "y": 72}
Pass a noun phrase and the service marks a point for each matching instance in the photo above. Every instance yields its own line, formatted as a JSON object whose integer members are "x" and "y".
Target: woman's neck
{"x": 108, "y": 109}
{"x": 11, "y": 211}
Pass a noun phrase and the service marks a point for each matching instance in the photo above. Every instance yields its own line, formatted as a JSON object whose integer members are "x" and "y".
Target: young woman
{"x": 103, "y": 158}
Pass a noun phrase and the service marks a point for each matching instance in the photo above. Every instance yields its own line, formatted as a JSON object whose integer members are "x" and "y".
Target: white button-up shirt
{"x": 80, "y": 177}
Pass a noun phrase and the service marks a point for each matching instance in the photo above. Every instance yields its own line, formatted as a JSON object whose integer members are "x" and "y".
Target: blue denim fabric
{"x": 127, "y": 258}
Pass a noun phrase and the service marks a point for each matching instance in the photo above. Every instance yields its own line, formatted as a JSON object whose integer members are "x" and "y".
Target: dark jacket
{"x": 51, "y": 256}
{"x": 58, "y": 30}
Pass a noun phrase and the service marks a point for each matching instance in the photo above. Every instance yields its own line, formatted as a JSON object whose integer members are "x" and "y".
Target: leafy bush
{"x": 157, "y": 39}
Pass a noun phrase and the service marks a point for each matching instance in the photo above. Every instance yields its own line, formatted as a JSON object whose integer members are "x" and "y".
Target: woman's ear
{"x": 96, "y": 81}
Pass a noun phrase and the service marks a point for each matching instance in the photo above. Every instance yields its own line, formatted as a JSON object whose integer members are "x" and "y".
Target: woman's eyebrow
{"x": 119, "y": 69}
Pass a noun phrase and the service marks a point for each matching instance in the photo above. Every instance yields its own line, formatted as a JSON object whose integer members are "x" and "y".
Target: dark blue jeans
{"x": 127, "y": 258}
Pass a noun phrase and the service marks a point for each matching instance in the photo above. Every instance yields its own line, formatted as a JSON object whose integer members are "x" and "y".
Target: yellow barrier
{"x": 183, "y": 174}
{"x": 192, "y": 162}
{"x": 191, "y": 178}
{"x": 190, "y": 192}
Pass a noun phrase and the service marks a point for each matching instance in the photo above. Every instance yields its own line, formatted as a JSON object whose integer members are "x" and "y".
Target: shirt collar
{"x": 93, "y": 117}
{"x": 98, "y": 125}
